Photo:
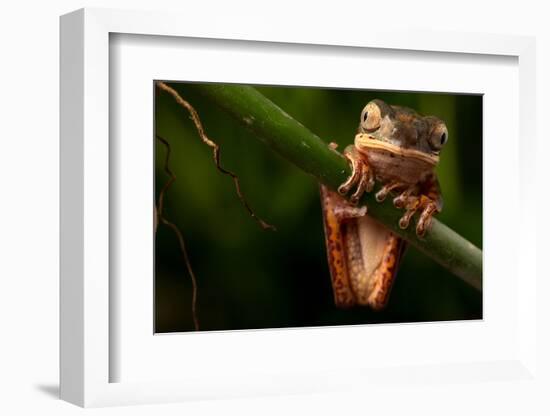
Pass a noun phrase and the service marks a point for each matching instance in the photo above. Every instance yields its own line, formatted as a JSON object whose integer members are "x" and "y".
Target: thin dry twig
{"x": 215, "y": 150}
{"x": 174, "y": 227}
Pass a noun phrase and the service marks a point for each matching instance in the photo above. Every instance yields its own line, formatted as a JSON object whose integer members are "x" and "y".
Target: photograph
{"x": 301, "y": 206}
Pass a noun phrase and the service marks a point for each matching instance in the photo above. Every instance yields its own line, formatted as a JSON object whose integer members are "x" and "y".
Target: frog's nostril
{"x": 443, "y": 138}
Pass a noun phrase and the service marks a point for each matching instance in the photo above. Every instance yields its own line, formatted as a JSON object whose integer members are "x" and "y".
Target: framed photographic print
{"x": 258, "y": 275}
{"x": 273, "y": 213}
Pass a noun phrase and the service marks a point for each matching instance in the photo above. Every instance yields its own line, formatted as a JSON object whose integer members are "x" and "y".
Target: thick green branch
{"x": 297, "y": 144}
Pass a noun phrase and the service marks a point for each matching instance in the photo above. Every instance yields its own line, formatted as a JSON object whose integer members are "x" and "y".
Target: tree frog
{"x": 400, "y": 149}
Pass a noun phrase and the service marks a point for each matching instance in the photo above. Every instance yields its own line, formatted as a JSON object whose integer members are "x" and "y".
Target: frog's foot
{"x": 347, "y": 211}
{"x": 412, "y": 204}
{"x": 387, "y": 188}
{"x": 362, "y": 175}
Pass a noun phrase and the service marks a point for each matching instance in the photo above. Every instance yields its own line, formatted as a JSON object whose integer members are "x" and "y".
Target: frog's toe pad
{"x": 425, "y": 219}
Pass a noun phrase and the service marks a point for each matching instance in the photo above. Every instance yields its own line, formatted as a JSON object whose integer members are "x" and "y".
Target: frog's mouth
{"x": 368, "y": 142}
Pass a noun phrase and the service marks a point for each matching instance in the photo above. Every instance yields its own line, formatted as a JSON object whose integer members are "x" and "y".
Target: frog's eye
{"x": 439, "y": 137}
{"x": 444, "y": 137}
{"x": 370, "y": 117}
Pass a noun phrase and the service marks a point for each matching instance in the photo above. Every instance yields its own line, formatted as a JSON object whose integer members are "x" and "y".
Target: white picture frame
{"x": 87, "y": 308}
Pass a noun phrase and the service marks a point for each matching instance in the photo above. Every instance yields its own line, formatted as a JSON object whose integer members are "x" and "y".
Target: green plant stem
{"x": 293, "y": 141}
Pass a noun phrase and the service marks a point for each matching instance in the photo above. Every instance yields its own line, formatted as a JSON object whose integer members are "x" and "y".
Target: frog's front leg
{"x": 424, "y": 198}
{"x": 361, "y": 176}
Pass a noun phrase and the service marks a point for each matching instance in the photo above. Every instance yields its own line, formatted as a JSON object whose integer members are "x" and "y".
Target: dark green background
{"x": 250, "y": 278}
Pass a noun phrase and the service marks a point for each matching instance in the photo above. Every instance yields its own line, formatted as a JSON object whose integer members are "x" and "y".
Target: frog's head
{"x": 401, "y": 132}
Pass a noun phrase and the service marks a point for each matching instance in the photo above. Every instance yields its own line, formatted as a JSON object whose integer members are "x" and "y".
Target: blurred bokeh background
{"x": 251, "y": 278}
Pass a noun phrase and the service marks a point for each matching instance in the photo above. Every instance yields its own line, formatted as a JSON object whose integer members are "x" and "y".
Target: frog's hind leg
{"x": 363, "y": 255}
{"x": 384, "y": 276}
{"x": 335, "y": 210}
{"x": 373, "y": 255}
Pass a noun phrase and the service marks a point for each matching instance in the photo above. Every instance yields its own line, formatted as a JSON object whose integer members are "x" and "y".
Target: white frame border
{"x": 84, "y": 221}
